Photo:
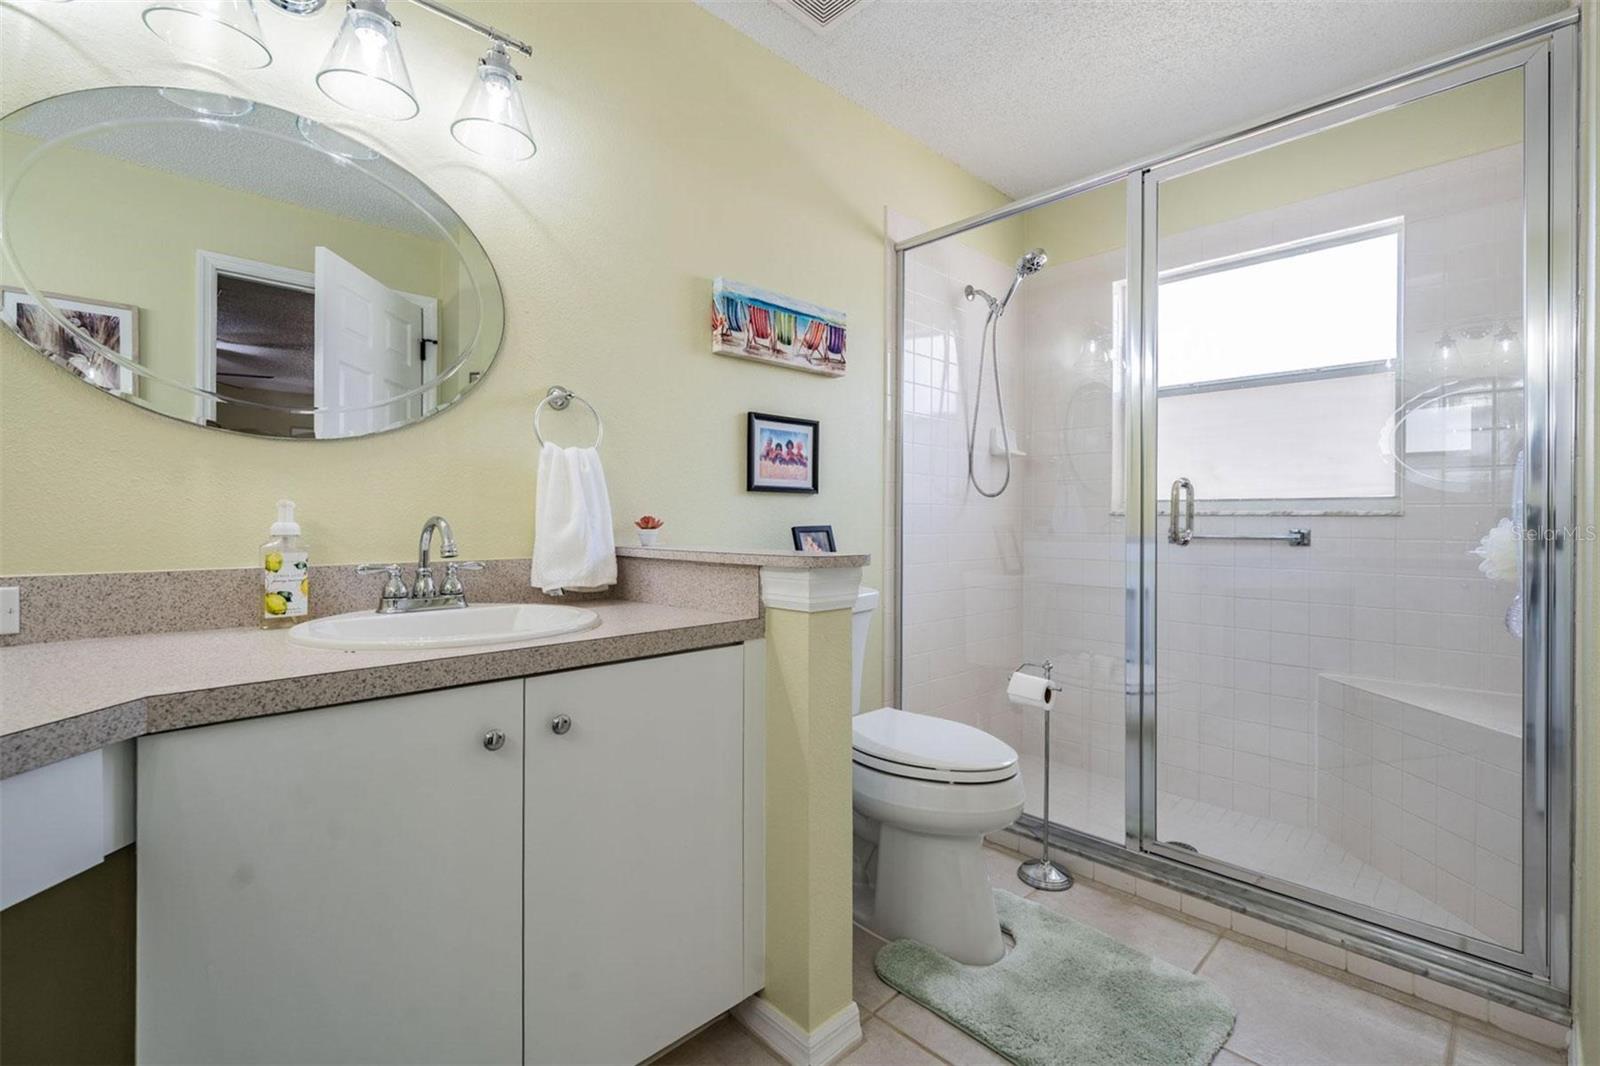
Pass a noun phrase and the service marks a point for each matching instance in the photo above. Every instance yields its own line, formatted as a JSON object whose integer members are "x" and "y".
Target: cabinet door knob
{"x": 494, "y": 740}
{"x": 560, "y": 724}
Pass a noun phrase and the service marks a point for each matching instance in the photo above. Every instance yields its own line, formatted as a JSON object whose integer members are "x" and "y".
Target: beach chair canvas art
{"x": 752, "y": 323}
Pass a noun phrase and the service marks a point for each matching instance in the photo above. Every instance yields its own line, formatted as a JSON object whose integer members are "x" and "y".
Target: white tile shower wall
{"x": 1074, "y": 540}
{"x": 962, "y": 571}
{"x": 1246, "y": 628}
{"x": 1428, "y": 798}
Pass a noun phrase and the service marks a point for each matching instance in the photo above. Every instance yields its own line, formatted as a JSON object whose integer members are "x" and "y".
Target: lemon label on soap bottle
{"x": 286, "y": 585}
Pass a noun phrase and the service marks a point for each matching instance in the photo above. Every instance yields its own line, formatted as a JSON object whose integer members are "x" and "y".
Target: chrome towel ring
{"x": 558, "y": 399}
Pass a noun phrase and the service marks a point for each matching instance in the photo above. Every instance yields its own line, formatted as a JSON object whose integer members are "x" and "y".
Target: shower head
{"x": 1032, "y": 262}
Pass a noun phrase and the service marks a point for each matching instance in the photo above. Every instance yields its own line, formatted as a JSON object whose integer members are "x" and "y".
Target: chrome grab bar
{"x": 1182, "y": 533}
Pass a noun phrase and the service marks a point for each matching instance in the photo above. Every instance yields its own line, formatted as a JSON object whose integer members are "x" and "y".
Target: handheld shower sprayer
{"x": 989, "y": 342}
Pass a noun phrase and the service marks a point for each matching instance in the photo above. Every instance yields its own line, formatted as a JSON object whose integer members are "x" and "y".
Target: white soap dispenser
{"x": 285, "y": 572}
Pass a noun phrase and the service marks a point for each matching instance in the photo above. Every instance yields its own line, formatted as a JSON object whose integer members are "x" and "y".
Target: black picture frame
{"x": 825, "y": 533}
{"x": 755, "y": 480}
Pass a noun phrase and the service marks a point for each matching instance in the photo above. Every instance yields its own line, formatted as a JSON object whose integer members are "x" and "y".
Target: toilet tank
{"x": 860, "y": 625}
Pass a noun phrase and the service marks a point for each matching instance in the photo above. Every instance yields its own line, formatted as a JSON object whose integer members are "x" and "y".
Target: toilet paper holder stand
{"x": 1043, "y": 873}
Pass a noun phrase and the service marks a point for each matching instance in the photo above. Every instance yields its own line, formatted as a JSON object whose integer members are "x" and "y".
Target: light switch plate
{"x": 10, "y": 611}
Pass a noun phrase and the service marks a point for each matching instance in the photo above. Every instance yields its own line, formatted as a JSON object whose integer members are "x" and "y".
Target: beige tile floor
{"x": 1288, "y": 1014}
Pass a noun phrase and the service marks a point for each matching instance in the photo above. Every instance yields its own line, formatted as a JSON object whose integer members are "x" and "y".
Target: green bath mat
{"x": 1066, "y": 993}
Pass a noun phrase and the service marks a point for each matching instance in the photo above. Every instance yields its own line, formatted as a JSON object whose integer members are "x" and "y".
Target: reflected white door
{"x": 368, "y": 348}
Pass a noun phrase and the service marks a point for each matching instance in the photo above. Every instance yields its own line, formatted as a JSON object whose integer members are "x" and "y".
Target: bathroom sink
{"x": 455, "y": 627}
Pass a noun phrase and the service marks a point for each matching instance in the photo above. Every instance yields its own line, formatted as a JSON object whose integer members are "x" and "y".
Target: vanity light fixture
{"x": 492, "y": 120}
{"x": 1100, "y": 347}
{"x": 1446, "y": 346}
{"x": 365, "y": 70}
{"x": 1505, "y": 339}
{"x": 223, "y": 32}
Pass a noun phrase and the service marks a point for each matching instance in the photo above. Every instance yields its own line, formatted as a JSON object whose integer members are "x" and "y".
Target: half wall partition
{"x": 1290, "y": 426}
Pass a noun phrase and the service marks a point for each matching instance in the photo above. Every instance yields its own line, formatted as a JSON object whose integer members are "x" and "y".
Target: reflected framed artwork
{"x": 115, "y": 326}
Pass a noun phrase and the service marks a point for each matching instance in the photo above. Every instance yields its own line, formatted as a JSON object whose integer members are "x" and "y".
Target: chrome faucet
{"x": 422, "y": 587}
{"x": 424, "y": 594}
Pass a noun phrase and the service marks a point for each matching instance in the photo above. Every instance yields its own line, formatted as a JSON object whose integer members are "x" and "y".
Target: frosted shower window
{"x": 1278, "y": 370}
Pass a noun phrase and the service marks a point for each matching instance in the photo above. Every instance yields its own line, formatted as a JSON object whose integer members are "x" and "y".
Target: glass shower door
{"x": 1345, "y": 393}
{"x": 1019, "y": 557}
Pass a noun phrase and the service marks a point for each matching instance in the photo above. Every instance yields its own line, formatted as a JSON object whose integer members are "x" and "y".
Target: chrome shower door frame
{"x": 1549, "y": 66}
{"x": 1539, "y": 978}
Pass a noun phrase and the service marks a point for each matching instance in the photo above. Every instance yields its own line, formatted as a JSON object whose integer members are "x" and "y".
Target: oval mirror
{"x": 233, "y": 265}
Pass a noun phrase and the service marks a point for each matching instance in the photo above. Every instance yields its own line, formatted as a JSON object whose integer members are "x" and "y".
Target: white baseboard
{"x": 825, "y": 1044}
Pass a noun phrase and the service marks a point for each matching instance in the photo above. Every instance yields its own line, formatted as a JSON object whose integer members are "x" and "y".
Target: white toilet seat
{"x": 927, "y": 790}
{"x": 924, "y": 748}
{"x": 936, "y": 807}
{"x": 930, "y": 774}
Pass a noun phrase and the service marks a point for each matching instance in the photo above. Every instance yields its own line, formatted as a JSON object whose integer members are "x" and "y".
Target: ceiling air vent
{"x": 821, "y": 15}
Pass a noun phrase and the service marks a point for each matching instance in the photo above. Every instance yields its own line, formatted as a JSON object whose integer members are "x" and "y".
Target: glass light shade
{"x": 492, "y": 120}
{"x": 332, "y": 141}
{"x": 223, "y": 32}
{"x": 212, "y": 105}
{"x": 1505, "y": 340}
{"x": 364, "y": 70}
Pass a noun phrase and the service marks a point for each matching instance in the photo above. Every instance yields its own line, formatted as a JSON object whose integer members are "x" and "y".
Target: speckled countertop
{"x": 59, "y": 699}
{"x": 786, "y": 560}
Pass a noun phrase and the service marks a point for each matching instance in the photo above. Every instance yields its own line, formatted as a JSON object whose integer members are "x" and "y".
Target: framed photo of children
{"x": 813, "y": 540}
{"x": 781, "y": 454}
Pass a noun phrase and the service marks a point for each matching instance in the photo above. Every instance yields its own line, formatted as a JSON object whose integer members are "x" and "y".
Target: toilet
{"x": 926, "y": 790}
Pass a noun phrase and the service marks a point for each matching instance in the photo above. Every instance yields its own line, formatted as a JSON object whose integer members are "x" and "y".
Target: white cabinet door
{"x": 635, "y": 844}
{"x": 334, "y": 886}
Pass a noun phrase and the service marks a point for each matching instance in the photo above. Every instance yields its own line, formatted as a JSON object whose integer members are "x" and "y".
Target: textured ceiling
{"x": 262, "y": 152}
{"x": 1028, "y": 94}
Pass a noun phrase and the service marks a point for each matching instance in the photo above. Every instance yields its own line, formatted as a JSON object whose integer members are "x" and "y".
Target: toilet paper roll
{"x": 1029, "y": 690}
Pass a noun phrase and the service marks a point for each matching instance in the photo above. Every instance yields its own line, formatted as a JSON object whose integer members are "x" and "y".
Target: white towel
{"x": 573, "y": 545}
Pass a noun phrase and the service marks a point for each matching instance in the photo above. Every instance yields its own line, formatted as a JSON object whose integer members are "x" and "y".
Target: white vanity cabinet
{"x": 340, "y": 885}
{"x": 388, "y": 881}
{"x": 635, "y": 860}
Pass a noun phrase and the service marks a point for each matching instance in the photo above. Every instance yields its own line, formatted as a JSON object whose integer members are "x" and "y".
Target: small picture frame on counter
{"x": 813, "y": 540}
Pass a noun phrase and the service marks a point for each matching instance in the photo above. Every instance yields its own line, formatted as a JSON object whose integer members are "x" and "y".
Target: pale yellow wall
{"x": 1475, "y": 118}
{"x": 808, "y": 817}
{"x": 1586, "y": 889}
{"x": 90, "y": 225}
{"x": 672, "y": 150}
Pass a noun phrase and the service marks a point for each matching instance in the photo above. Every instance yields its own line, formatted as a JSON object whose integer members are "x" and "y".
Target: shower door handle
{"x": 1182, "y": 532}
